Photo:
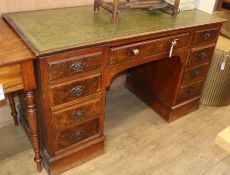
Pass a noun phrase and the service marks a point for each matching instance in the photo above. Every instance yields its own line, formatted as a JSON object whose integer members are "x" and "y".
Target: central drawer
{"x": 146, "y": 48}
{"x": 76, "y": 89}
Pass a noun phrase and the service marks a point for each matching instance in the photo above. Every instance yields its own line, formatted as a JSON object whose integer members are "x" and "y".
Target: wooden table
{"x": 17, "y": 73}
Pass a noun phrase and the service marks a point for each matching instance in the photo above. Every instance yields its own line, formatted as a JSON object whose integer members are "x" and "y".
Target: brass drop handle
{"x": 78, "y": 67}
{"x": 136, "y": 51}
{"x": 173, "y": 45}
{"x": 195, "y": 73}
{"x": 202, "y": 56}
{"x": 78, "y": 114}
{"x": 78, "y": 90}
{"x": 206, "y": 35}
{"x": 78, "y": 135}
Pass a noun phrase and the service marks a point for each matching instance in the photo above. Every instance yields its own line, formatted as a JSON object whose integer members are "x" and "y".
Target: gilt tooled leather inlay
{"x": 49, "y": 30}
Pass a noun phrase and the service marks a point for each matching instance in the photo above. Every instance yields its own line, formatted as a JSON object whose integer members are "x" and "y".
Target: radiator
{"x": 216, "y": 91}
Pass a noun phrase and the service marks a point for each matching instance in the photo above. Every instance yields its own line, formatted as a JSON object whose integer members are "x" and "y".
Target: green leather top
{"x": 48, "y": 30}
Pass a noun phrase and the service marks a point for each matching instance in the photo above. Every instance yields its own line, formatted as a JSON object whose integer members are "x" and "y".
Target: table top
{"x": 12, "y": 49}
{"x": 46, "y": 31}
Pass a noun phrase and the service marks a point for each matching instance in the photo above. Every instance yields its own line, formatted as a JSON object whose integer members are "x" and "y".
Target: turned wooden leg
{"x": 32, "y": 119}
{"x": 14, "y": 112}
{"x": 176, "y": 7}
{"x": 96, "y": 6}
{"x": 115, "y": 10}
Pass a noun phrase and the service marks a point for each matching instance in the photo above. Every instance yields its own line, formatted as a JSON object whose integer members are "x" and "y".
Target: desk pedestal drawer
{"x": 76, "y": 134}
{"x": 75, "y": 89}
{"x": 189, "y": 91}
{"x": 194, "y": 74}
{"x": 74, "y": 65}
{"x": 77, "y": 114}
{"x": 205, "y": 36}
{"x": 200, "y": 56}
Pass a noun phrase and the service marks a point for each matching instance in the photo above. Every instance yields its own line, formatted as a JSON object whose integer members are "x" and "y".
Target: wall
{"x": 23, "y": 5}
{"x": 206, "y": 5}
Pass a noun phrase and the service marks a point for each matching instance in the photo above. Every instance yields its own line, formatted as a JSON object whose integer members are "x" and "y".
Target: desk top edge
{"x": 105, "y": 41}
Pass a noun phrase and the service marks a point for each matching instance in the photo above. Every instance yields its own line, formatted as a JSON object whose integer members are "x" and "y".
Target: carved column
{"x": 32, "y": 119}
{"x": 14, "y": 112}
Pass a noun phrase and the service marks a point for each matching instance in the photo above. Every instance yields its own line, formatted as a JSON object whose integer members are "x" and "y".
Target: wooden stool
{"x": 115, "y": 6}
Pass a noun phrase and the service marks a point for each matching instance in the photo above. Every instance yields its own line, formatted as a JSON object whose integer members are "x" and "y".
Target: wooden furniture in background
{"x": 224, "y": 5}
{"x": 166, "y": 67}
{"x": 115, "y": 6}
{"x": 17, "y": 73}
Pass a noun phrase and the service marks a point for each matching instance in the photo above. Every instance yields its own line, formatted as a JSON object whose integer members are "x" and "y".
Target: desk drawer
{"x": 74, "y": 65}
{"x": 200, "y": 56}
{"x": 194, "y": 74}
{"x": 205, "y": 36}
{"x": 146, "y": 48}
{"x": 11, "y": 78}
{"x": 67, "y": 137}
{"x": 189, "y": 91}
{"x": 73, "y": 90}
{"x": 77, "y": 114}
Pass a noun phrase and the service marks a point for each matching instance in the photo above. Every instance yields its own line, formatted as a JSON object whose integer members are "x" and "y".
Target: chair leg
{"x": 115, "y": 11}
{"x": 14, "y": 112}
{"x": 96, "y": 6}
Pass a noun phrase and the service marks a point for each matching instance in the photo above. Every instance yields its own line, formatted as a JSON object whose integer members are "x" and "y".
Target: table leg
{"x": 32, "y": 119}
{"x": 14, "y": 112}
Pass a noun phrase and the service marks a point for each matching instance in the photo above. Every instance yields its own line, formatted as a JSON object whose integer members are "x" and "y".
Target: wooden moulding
{"x": 115, "y": 7}
{"x": 64, "y": 162}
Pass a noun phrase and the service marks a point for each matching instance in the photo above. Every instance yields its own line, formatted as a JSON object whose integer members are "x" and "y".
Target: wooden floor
{"x": 139, "y": 142}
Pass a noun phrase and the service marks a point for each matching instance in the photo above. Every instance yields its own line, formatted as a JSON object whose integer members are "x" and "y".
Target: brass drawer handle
{"x": 207, "y": 35}
{"x": 78, "y": 90}
{"x": 173, "y": 45}
{"x": 78, "y": 135}
{"x": 202, "y": 56}
{"x": 195, "y": 73}
{"x": 78, "y": 67}
{"x": 136, "y": 51}
{"x": 78, "y": 114}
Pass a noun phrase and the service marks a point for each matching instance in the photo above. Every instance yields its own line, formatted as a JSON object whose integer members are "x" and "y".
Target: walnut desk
{"x": 17, "y": 73}
{"x": 78, "y": 54}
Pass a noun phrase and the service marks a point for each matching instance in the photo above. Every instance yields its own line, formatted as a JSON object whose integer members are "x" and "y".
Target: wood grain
{"x": 12, "y": 49}
{"x": 11, "y": 78}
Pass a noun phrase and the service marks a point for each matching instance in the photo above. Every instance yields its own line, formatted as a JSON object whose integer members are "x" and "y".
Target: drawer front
{"x": 205, "y": 36}
{"x": 67, "y": 137}
{"x": 189, "y": 91}
{"x": 200, "y": 56}
{"x": 11, "y": 78}
{"x": 75, "y": 89}
{"x": 74, "y": 65}
{"x": 194, "y": 74}
{"x": 146, "y": 48}
{"x": 77, "y": 114}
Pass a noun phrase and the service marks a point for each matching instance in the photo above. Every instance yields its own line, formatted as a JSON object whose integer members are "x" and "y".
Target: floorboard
{"x": 139, "y": 142}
